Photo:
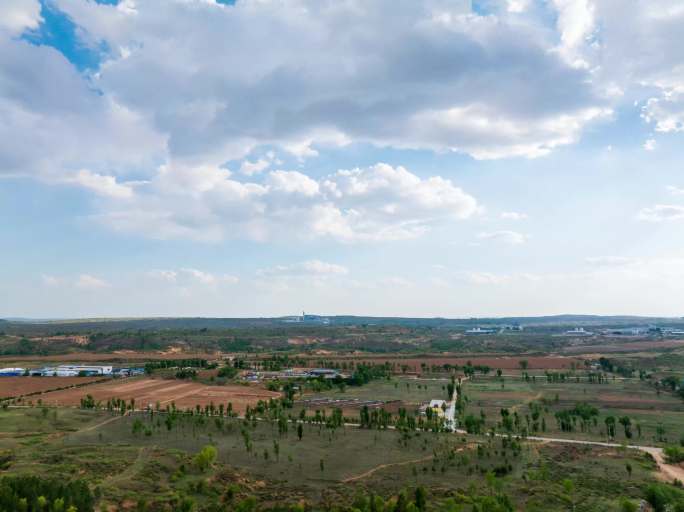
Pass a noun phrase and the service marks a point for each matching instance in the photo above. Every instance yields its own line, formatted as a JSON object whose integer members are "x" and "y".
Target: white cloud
{"x": 19, "y": 15}
{"x": 675, "y": 191}
{"x": 310, "y": 74}
{"x": 321, "y": 267}
{"x": 662, "y": 213}
{"x": 517, "y": 6}
{"x": 49, "y": 280}
{"x": 164, "y": 275}
{"x": 292, "y": 182}
{"x": 89, "y": 282}
{"x": 504, "y": 236}
{"x": 649, "y": 144}
{"x": 576, "y": 23}
{"x": 513, "y": 216}
{"x": 610, "y": 261}
{"x": 667, "y": 111}
{"x": 485, "y": 278}
{"x": 190, "y": 276}
{"x": 55, "y": 122}
{"x": 309, "y": 268}
{"x": 251, "y": 168}
{"x": 102, "y": 185}
{"x": 380, "y": 202}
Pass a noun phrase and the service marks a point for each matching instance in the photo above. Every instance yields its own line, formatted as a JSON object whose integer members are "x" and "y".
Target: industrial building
{"x": 12, "y": 372}
{"x": 71, "y": 370}
{"x": 480, "y": 330}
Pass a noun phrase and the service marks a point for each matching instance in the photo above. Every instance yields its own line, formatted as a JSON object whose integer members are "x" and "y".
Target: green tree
{"x": 421, "y": 498}
{"x": 205, "y": 458}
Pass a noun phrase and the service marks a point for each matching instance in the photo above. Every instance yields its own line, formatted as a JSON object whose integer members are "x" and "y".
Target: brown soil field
{"x": 147, "y": 392}
{"x": 505, "y": 363}
{"x": 121, "y": 356}
{"x": 20, "y": 386}
{"x": 624, "y": 346}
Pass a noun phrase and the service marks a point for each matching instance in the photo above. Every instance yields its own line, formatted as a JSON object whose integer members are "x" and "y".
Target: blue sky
{"x": 507, "y": 157}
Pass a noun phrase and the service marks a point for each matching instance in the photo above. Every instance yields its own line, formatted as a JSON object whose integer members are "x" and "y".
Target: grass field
{"x": 124, "y": 467}
{"x": 633, "y": 398}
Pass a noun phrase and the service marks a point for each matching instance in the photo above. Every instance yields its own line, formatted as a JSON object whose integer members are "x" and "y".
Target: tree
{"x": 610, "y": 426}
{"x": 205, "y": 458}
{"x": 628, "y": 505}
{"x": 421, "y": 498}
{"x": 523, "y": 363}
{"x": 627, "y": 424}
{"x": 569, "y": 488}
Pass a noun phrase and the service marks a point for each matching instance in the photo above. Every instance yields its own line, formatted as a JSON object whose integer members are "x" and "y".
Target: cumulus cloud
{"x": 89, "y": 282}
{"x": 513, "y": 216}
{"x": 49, "y": 280}
{"x": 81, "y": 282}
{"x": 649, "y": 145}
{"x": 310, "y": 74}
{"x": 107, "y": 186}
{"x": 19, "y": 15}
{"x": 504, "y": 236}
{"x": 306, "y": 268}
{"x": 610, "y": 261}
{"x": 380, "y": 202}
{"x": 662, "y": 213}
{"x": 517, "y": 6}
{"x": 55, "y": 123}
{"x": 675, "y": 191}
{"x": 250, "y": 168}
{"x": 190, "y": 276}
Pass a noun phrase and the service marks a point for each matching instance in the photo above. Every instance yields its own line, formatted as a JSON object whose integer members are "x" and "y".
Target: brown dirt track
{"x": 19, "y": 386}
{"x": 145, "y": 391}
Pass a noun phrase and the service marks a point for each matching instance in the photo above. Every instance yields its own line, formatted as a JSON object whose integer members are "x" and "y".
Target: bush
{"x": 663, "y": 498}
{"x": 674, "y": 454}
{"x": 32, "y": 493}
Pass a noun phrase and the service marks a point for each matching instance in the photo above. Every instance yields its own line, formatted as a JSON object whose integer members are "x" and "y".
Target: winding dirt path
{"x": 383, "y": 466}
{"x": 105, "y": 422}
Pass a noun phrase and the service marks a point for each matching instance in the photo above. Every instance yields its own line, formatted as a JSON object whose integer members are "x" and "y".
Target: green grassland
{"x": 633, "y": 398}
{"x": 126, "y": 466}
{"x": 411, "y": 391}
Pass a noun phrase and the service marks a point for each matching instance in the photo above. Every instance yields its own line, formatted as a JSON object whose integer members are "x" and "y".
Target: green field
{"x": 124, "y": 467}
{"x": 633, "y": 398}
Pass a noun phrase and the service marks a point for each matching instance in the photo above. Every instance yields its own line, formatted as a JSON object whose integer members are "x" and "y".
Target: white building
{"x": 479, "y": 330}
{"x": 578, "y": 331}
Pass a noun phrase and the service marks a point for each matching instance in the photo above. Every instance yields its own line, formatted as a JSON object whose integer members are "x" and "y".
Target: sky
{"x": 448, "y": 158}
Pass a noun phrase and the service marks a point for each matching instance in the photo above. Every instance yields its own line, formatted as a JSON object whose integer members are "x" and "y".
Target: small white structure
{"x": 479, "y": 330}
{"x": 578, "y": 331}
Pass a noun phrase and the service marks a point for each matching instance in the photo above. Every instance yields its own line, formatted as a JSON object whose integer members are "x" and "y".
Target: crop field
{"x": 11, "y": 387}
{"x": 621, "y": 397}
{"x": 621, "y": 345}
{"x": 148, "y": 392}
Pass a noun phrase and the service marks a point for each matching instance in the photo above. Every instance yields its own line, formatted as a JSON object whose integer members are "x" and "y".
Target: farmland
{"x": 11, "y": 387}
{"x": 647, "y": 409}
{"x": 336, "y": 441}
{"x": 150, "y": 392}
